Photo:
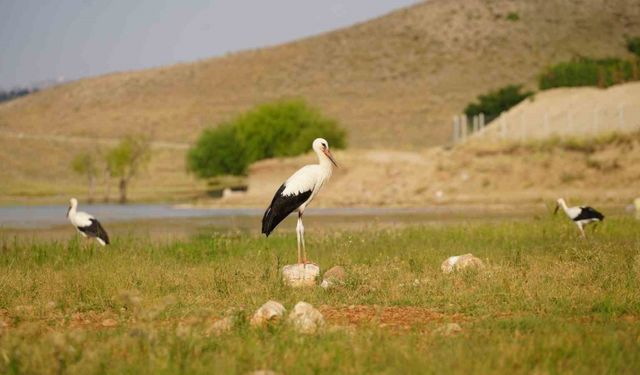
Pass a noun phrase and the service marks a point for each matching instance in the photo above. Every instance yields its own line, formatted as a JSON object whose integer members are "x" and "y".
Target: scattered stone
{"x": 299, "y": 275}
{"x": 449, "y": 329}
{"x": 51, "y": 305}
{"x": 461, "y": 262}
{"x": 109, "y": 323}
{"x": 262, "y": 372}
{"x": 336, "y": 275}
{"x": 270, "y": 312}
{"x": 305, "y": 318}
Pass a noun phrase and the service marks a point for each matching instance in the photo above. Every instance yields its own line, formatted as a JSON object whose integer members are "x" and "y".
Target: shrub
{"x": 589, "y": 72}
{"x": 283, "y": 128}
{"x": 217, "y": 152}
{"x": 633, "y": 45}
{"x": 513, "y": 16}
{"x": 496, "y": 102}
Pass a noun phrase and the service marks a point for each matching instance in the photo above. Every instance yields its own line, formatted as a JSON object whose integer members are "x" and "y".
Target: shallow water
{"x": 162, "y": 221}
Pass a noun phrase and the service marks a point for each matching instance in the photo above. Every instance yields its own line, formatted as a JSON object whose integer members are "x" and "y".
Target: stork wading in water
{"x": 298, "y": 191}
{"x": 581, "y": 215}
{"x": 85, "y": 224}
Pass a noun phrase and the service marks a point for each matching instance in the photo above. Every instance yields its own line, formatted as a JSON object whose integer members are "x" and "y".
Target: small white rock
{"x": 270, "y": 312}
{"x": 305, "y": 318}
{"x": 461, "y": 262}
{"x": 298, "y": 275}
{"x": 336, "y": 275}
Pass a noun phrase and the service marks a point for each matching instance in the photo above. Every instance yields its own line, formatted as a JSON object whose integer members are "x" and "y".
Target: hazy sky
{"x": 43, "y": 40}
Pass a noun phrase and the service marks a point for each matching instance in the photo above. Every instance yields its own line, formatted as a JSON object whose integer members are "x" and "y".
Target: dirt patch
{"x": 391, "y": 316}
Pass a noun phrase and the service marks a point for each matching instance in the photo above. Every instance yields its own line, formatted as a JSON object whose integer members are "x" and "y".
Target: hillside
{"x": 403, "y": 74}
{"x": 394, "y": 82}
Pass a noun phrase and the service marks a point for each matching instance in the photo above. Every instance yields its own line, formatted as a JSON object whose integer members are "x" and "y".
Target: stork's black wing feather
{"x": 95, "y": 229}
{"x": 281, "y": 206}
{"x": 589, "y": 213}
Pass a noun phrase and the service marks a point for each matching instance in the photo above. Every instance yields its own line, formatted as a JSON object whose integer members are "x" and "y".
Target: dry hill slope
{"x": 394, "y": 81}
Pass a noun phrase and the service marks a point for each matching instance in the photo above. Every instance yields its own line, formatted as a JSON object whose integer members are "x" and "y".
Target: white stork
{"x": 86, "y": 224}
{"x": 298, "y": 191}
{"x": 581, "y": 215}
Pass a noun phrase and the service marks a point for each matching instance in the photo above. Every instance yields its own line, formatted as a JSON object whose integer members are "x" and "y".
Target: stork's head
{"x": 321, "y": 147}
{"x": 73, "y": 203}
{"x": 559, "y": 202}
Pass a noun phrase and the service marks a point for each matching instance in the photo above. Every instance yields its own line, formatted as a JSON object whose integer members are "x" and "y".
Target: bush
{"x": 496, "y": 102}
{"x": 633, "y": 45}
{"x": 589, "y": 72}
{"x": 217, "y": 152}
{"x": 284, "y": 128}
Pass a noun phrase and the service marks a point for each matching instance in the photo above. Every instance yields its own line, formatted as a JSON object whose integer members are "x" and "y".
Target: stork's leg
{"x": 581, "y": 230}
{"x": 298, "y": 231}
{"x": 304, "y": 249}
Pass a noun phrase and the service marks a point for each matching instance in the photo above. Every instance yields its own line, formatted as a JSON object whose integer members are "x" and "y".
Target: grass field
{"x": 547, "y": 302}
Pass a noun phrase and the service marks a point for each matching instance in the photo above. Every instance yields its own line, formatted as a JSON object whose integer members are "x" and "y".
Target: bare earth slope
{"x": 593, "y": 172}
{"x": 569, "y": 111}
{"x": 394, "y": 81}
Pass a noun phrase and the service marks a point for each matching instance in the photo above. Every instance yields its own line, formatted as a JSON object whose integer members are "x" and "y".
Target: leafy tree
{"x": 86, "y": 165}
{"x": 127, "y": 159}
{"x": 282, "y": 128}
{"x": 496, "y": 102}
{"x": 217, "y": 152}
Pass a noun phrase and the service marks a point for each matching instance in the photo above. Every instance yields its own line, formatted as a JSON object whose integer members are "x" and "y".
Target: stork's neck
{"x": 563, "y": 204}
{"x": 72, "y": 210}
{"x": 325, "y": 164}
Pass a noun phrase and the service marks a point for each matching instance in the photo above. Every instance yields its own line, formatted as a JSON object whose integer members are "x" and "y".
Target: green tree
{"x": 282, "y": 128}
{"x": 496, "y": 102}
{"x": 85, "y": 164}
{"x": 127, "y": 159}
{"x": 217, "y": 152}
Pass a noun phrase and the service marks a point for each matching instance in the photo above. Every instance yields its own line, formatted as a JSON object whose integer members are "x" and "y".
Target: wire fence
{"x": 518, "y": 125}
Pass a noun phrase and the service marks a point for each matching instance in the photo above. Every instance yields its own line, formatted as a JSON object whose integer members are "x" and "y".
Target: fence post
{"x": 481, "y": 121}
{"x": 475, "y": 123}
{"x": 464, "y": 127}
{"x": 456, "y": 127}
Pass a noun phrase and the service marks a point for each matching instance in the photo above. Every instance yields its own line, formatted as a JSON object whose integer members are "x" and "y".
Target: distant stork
{"x": 86, "y": 224}
{"x": 581, "y": 215}
{"x": 298, "y": 191}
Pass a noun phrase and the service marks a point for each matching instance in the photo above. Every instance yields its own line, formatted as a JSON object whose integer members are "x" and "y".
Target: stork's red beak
{"x": 328, "y": 153}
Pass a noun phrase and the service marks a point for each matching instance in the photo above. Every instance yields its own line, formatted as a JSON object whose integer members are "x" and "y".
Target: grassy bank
{"x": 546, "y": 302}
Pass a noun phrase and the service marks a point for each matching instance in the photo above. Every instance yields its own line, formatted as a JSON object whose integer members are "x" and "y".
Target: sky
{"x": 46, "y": 40}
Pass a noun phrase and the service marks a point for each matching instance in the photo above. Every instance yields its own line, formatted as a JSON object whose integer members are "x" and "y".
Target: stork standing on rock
{"x": 298, "y": 191}
{"x": 85, "y": 224}
{"x": 581, "y": 215}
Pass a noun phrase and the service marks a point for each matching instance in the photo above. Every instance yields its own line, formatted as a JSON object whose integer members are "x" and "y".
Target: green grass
{"x": 547, "y": 302}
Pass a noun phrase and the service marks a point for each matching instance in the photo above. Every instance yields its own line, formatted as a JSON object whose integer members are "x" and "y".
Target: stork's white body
{"x": 297, "y": 192}
{"x": 308, "y": 178}
{"x": 87, "y": 225}
{"x": 580, "y": 215}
